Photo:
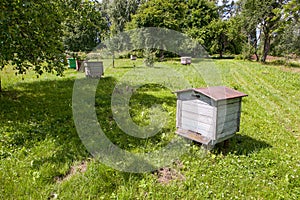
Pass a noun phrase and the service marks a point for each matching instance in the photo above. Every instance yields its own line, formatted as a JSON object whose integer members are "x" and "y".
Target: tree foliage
{"x": 262, "y": 18}
{"x": 287, "y": 43}
{"x": 287, "y": 40}
{"x": 191, "y": 17}
{"x": 31, "y": 35}
{"x": 167, "y": 14}
{"x": 119, "y": 12}
{"x": 200, "y": 14}
{"x": 224, "y": 37}
{"x": 35, "y": 34}
{"x": 160, "y": 13}
{"x": 85, "y": 27}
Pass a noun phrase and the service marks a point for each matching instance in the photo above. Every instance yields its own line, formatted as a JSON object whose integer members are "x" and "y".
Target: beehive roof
{"x": 217, "y": 93}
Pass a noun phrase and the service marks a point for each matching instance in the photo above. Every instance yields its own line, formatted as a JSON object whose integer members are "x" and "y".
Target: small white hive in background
{"x": 186, "y": 60}
{"x": 132, "y": 57}
{"x": 93, "y": 69}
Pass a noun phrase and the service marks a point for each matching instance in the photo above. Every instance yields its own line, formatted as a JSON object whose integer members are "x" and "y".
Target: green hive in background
{"x": 72, "y": 63}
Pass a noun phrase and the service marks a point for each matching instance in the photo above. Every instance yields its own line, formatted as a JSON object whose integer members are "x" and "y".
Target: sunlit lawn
{"x": 43, "y": 157}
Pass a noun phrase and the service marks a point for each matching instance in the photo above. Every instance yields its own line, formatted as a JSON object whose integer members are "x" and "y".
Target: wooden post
{"x": 114, "y": 59}
{"x": 266, "y": 50}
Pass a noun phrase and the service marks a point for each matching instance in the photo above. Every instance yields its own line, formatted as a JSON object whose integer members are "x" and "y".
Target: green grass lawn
{"x": 41, "y": 155}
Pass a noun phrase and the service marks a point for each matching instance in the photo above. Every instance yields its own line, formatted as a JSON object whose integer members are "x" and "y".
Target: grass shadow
{"x": 241, "y": 145}
{"x": 43, "y": 109}
{"x": 126, "y": 67}
{"x": 223, "y": 57}
{"x": 39, "y": 111}
{"x": 139, "y": 102}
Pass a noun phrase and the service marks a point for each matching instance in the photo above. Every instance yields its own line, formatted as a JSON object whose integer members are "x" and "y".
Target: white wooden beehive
{"x": 93, "y": 69}
{"x": 208, "y": 115}
{"x": 132, "y": 57}
{"x": 186, "y": 60}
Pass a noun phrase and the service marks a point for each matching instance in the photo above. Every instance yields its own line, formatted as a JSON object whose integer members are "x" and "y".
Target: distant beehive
{"x": 93, "y": 69}
{"x": 186, "y": 60}
{"x": 208, "y": 115}
{"x": 132, "y": 57}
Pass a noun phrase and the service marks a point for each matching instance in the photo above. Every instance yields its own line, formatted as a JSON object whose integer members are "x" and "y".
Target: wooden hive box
{"x": 186, "y": 60}
{"x": 93, "y": 69}
{"x": 208, "y": 115}
{"x": 132, "y": 57}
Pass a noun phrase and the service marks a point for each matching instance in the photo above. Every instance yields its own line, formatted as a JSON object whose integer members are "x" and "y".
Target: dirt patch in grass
{"x": 79, "y": 168}
{"x": 166, "y": 175}
{"x": 291, "y": 69}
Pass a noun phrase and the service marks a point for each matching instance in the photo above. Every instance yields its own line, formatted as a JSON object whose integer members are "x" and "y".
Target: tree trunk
{"x": 0, "y": 85}
{"x": 255, "y": 50}
{"x": 161, "y": 57}
{"x": 222, "y": 45}
{"x": 256, "y": 55}
{"x": 266, "y": 48}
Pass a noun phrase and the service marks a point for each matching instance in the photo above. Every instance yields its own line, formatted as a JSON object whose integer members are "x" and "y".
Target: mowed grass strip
{"x": 42, "y": 155}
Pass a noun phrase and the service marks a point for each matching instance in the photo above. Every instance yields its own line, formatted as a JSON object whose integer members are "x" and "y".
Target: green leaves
{"x": 31, "y": 33}
{"x": 85, "y": 26}
{"x": 262, "y": 20}
{"x": 158, "y": 13}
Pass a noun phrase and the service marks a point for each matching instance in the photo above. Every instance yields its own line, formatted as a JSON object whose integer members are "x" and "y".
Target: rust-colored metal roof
{"x": 218, "y": 93}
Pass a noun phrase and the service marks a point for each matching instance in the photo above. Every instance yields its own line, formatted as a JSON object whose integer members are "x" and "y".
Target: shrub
{"x": 149, "y": 58}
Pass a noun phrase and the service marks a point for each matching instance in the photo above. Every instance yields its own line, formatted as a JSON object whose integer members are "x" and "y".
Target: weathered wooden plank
{"x": 226, "y": 134}
{"x": 197, "y": 129}
{"x": 187, "y": 95}
{"x": 198, "y": 111}
{"x": 227, "y": 118}
{"x": 179, "y": 113}
{"x": 193, "y": 136}
{"x": 197, "y": 102}
{"x": 224, "y": 111}
{"x": 232, "y": 125}
{"x": 197, "y": 123}
{"x": 201, "y": 110}
{"x": 204, "y": 99}
{"x": 221, "y": 138}
{"x": 197, "y": 117}
{"x": 214, "y": 123}
{"x": 227, "y": 106}
{"x": 239, "y": 116}
{"x": 227, "y": 112}
{"x": 194, "y": 127}
{"x": 228, "y": 101}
